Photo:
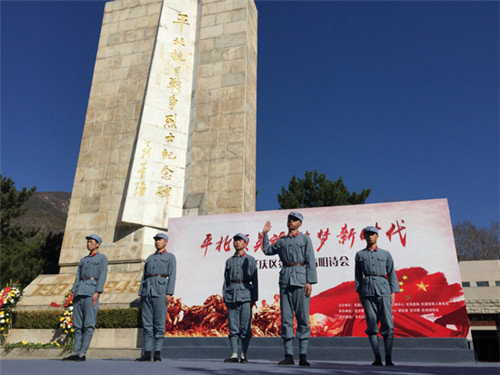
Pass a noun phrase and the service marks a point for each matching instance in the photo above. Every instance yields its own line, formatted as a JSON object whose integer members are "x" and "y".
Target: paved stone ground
{"x": 216, "y": 367}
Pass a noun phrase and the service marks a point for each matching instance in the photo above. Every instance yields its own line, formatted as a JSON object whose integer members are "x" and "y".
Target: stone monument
{"x": 170, "y": 131}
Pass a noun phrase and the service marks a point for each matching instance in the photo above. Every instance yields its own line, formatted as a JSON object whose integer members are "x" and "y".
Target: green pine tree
{"x": 315, "y": 190}
{"x": 19, "y": 250}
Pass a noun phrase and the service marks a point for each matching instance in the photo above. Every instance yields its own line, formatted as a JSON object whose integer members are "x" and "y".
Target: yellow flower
{"x": 7, "y": 320}
{"x": 72, "y": 330}
{"x": 1, "y": 329}
{"x": 57, "y": 343}
{"x": 24, "y": 342}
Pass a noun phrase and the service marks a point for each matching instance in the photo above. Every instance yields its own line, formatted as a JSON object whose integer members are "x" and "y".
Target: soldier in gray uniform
{"x": 89, "y": 283}
{"x": 376, "y": 292}
{"x": 240, "y": 292}
{"x": 297, "y": 275}
{"x": 157, "y": 288}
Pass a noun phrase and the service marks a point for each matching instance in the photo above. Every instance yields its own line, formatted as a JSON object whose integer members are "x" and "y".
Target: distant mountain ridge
{"x": 47, "y": 210}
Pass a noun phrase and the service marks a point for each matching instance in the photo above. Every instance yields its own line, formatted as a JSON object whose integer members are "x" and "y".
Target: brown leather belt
{"x": 236, "y": 281}
{"x": 88, "y": 278}
{"x": 157, "y": 275}
{"x": 293, "y": 264}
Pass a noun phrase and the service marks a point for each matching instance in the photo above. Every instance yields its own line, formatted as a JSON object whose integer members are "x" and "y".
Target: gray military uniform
{"x": 375, "y": 289}
{"x": 239, "y": 290}
{"x": 299, "y": 267}
{"x": 90, "y": 278}
{"x": 158, "y": 280}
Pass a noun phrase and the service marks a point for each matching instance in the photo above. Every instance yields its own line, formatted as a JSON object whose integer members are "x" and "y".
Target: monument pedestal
{"x": 120, "y": 291}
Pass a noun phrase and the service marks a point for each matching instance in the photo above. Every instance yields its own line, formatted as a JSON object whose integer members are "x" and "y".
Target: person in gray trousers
{"x": 240, "y": 291}
{"x": 89, "y": 283}
{"x": 297, "y": 276}
{"x": 376, "y": 284}
{"x": 156, "y": 291}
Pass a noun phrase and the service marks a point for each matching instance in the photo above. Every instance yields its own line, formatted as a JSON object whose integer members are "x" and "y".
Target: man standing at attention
{"x": 157, "y": 288}
{"x": 376, "y": 292}
{"x": 296, "y": 253}
{"x": 89, "y": 283}
{"x": 240, "y": 292}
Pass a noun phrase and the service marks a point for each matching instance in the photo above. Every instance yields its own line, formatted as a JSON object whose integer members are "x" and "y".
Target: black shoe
{"x": 302, "y": 360}
{"x": 72, "y": 357}
{"x": 388, "y": 361}
{"x": 243, "y": 360}
{"x": 157, "y": 357}
{"x": 80, "y": 359}
{"x": 231, "y": 360}
{"x": 378, "y": 361}
{"x": 288, "y": 361}
{"x": 146, "y": 357}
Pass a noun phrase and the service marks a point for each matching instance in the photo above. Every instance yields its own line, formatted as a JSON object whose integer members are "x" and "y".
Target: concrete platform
{"x": 324, "y": 349}
{"x": 336, "y": 349}
{"x": 216, "y": 367}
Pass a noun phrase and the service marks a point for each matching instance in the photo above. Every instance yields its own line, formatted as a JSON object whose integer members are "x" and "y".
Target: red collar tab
{"x": 93, "y": 255}
{"x": 160, "y": 252}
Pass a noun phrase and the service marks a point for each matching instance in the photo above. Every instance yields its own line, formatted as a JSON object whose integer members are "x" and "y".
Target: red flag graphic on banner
{"x": 427, "y": 306}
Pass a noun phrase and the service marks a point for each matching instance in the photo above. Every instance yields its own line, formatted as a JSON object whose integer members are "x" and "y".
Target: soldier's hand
{"x": 393, "y": 298}
{"x": 95, "y": 298}
{"x": 308, "y": 290}
{"x": 168, "y": 297}
{"x": 267, "y": 227}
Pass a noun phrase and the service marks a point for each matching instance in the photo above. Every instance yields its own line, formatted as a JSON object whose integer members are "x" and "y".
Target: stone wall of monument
{"x": 221, "y": 155}
{"x": 121, "y": 71}
{"x": 141, "y": 83}
{"x": 221, "y": 177}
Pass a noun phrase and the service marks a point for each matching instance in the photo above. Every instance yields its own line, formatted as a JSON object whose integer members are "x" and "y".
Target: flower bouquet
{"x": 10, "y": 295}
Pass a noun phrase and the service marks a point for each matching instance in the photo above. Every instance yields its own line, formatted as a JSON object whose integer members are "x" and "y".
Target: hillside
{"x": 47, "y": 211}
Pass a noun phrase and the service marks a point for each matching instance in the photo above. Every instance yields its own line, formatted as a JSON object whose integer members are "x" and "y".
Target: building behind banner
{"x": 481, "y": 285}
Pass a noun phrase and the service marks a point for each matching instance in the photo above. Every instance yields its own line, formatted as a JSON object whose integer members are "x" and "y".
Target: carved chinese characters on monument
{"x": 157, "y": 179}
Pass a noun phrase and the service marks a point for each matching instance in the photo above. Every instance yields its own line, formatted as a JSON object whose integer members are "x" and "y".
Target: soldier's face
{"x": 92, "y": 245}
{"x": 160, "y": 244}
{"x": 239, "y": 244}
{"x": 371, "y": 238}
{"x": 293, "y": 223}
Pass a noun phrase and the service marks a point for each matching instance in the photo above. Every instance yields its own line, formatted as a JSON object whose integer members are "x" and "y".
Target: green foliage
{"x": 24, "y": 254}
{"x": 119, "y": 318}
{"x": 315, "y": 190}
{"x": 12, "y": 202}
{"x": 474, "y": 243}
{"x": 50, "y": 251}
{"x": 44, "y": 319}
{"x": 17, "y": 247}
{"x": 32, "y": 345}
{"x": 106, "y": 318}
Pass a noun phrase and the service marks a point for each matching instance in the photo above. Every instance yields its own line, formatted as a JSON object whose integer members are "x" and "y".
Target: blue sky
{"x": 401, "y": 97}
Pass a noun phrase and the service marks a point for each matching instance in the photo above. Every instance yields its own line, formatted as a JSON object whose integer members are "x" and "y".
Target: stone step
{"x": 101, "y": 353}
{"x": 320, "y": 348}
{"x": 325, "y": 349}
